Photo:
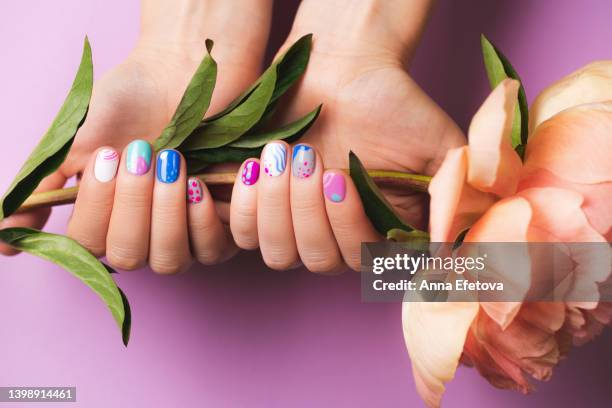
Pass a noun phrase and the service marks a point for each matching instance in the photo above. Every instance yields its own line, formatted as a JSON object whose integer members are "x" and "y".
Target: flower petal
{"x": 494, "y": 166}
{"x": 507, "y": 221}
{"x": 575, "y": 145}
{"x": 586, "y": 85}
{"x": 455, "y": 205}
{"x": 597, "y": 197}
{"x": 435, "y": 334}
{"x": 588, "y": 264}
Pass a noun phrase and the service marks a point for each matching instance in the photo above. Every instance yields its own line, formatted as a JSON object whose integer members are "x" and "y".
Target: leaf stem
{"x": 383, "y": 178}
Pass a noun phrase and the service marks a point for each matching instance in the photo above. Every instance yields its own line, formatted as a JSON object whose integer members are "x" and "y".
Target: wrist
{"x": 184, "y": 25}
{"x": 391, "y": 27}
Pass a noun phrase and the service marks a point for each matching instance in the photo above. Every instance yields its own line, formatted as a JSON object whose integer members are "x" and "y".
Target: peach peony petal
{"x": 434, "y": 335}
{"x": 589, "y": 264}
{"x": 494, "y": 166}
{"x": 455, "y": 205}
{"x": 507, "y": 221}
{"x": 586, "y": 85}
{"x": 597, "y": 197}
{"x": 575, "y": 145}
{"x": 529, "y": 345}
{"x": 499, "y": 371}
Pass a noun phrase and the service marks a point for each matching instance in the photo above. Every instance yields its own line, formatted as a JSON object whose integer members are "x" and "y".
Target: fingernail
{"x": 303, "y": 162}
{"x": 138, "y": 157}
{"x": 194, "y": 190}
{"x": 168, "y": 166}
{"x": 250, "y": 172}
{"x": 334, "y": 186}
{"x": 275, "y": 159}
{"x": 105, "y": 166}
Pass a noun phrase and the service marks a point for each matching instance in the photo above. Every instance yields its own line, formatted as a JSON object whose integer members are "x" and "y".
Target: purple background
{"x": 239, "y": 334}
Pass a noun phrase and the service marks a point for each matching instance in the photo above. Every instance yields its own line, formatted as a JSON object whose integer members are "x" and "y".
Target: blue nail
{"x": 168, "y": 166}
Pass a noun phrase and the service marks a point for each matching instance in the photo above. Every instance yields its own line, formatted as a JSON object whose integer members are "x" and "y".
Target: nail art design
{"x": 250, "y": 172}
{"x": 334, "y": 186}
{"x": 194, "y": 190}
{"x": 138, "y": 157}
{"x": 105, "y": 166}
{"x": 303, "y": 162}
{"x": 168, "y": 166}
{"x": 275, "y": 159}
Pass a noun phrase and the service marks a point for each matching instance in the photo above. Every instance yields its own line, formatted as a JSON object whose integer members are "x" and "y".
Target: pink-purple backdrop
{"x": 239, "y": 334}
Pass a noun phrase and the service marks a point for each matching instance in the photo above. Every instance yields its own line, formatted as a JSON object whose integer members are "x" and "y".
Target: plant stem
{"x": 390, "y": 179}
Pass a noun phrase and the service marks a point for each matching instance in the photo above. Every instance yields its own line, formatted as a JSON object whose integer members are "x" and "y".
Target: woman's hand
{"x": 371, "y": 106}
{"x": 136, "y": 99}
{"x": 293, "y": 209}
{"x": 133, "y": 208}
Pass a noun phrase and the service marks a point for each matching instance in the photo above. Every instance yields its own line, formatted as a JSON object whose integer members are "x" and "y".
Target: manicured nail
{"x": 275, "y": 159}
{"x": 250, "y": 172}
{"x": 168, "y": 166}
{"x": 334, "y": 186}
{"x": 138, "y": 157}
{"x": 105, "y": 167}
{"x": 303, "y": 162}
{"x": 194, "y": 190}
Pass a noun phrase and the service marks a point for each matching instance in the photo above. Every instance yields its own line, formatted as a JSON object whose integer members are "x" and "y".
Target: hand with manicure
{"x": 117, "y": 214}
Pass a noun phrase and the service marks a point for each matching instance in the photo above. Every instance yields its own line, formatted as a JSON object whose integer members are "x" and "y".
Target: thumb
{"x": 35, "y": 218}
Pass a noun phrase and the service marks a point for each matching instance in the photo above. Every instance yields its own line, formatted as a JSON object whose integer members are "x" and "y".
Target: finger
{"x": 208, "y": 236}
{"x": 127, "y": 241}
{"x": 94, "y": 204}
{"x": 315, "y": 239}
{"x": 35, "y": 218}
{"x": 169, "y": 252}
{"x": 243, "y": 207}
{"x": 274, "y": 224}
{"x": 347, "y": 217}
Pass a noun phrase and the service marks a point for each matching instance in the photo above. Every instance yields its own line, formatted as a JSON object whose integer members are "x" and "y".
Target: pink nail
{"x": 194, "y": 190}
{"x": 250, "y": 172}
{"x": 334, "y": 186}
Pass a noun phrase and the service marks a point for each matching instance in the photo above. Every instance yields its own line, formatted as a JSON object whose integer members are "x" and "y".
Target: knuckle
{"x": 124, "y": 258}
{"x": 353, "y": 261}
{"x": 203, "y": 225}
{"x": 166, "y": 265}
{"x": 321, "y": 261}
{"x": 245, "y": 212}
{"x": 278, "y": 259}
{"x": 272, "y": 202}
{"x": 306, "y": 206}
{"x": 134, "y": 199}
{"x": 246, "y": 241}
{"x": 94, "y": 245}
{"x": 209, "y": 257}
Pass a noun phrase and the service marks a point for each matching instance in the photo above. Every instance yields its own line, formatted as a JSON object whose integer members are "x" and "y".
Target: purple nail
{"x": 250, "y": 172}
{"x": 334, "y": 186}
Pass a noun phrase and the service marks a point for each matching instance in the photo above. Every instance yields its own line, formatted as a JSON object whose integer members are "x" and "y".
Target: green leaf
{"x": 289, "y": 68}
{"x": 199, "y": 159}
{"x": 236, "y": 123}
{"x": 291, "y": 65}
{"x": 498, "y": 68}
{"x": 54, "y": 146}
{"x": 193, "y": 105}
{"x": 414, "y": 236}
{"x": 195, "y": 166}
{"x": 377, "y": 208}
{"x": 71, "y": 256}
{"x": 299, "y": 127}
{"x": 222, "y": 154}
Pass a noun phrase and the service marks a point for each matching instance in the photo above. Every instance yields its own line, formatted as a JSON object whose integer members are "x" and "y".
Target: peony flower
{"x": 485, "y": 187}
